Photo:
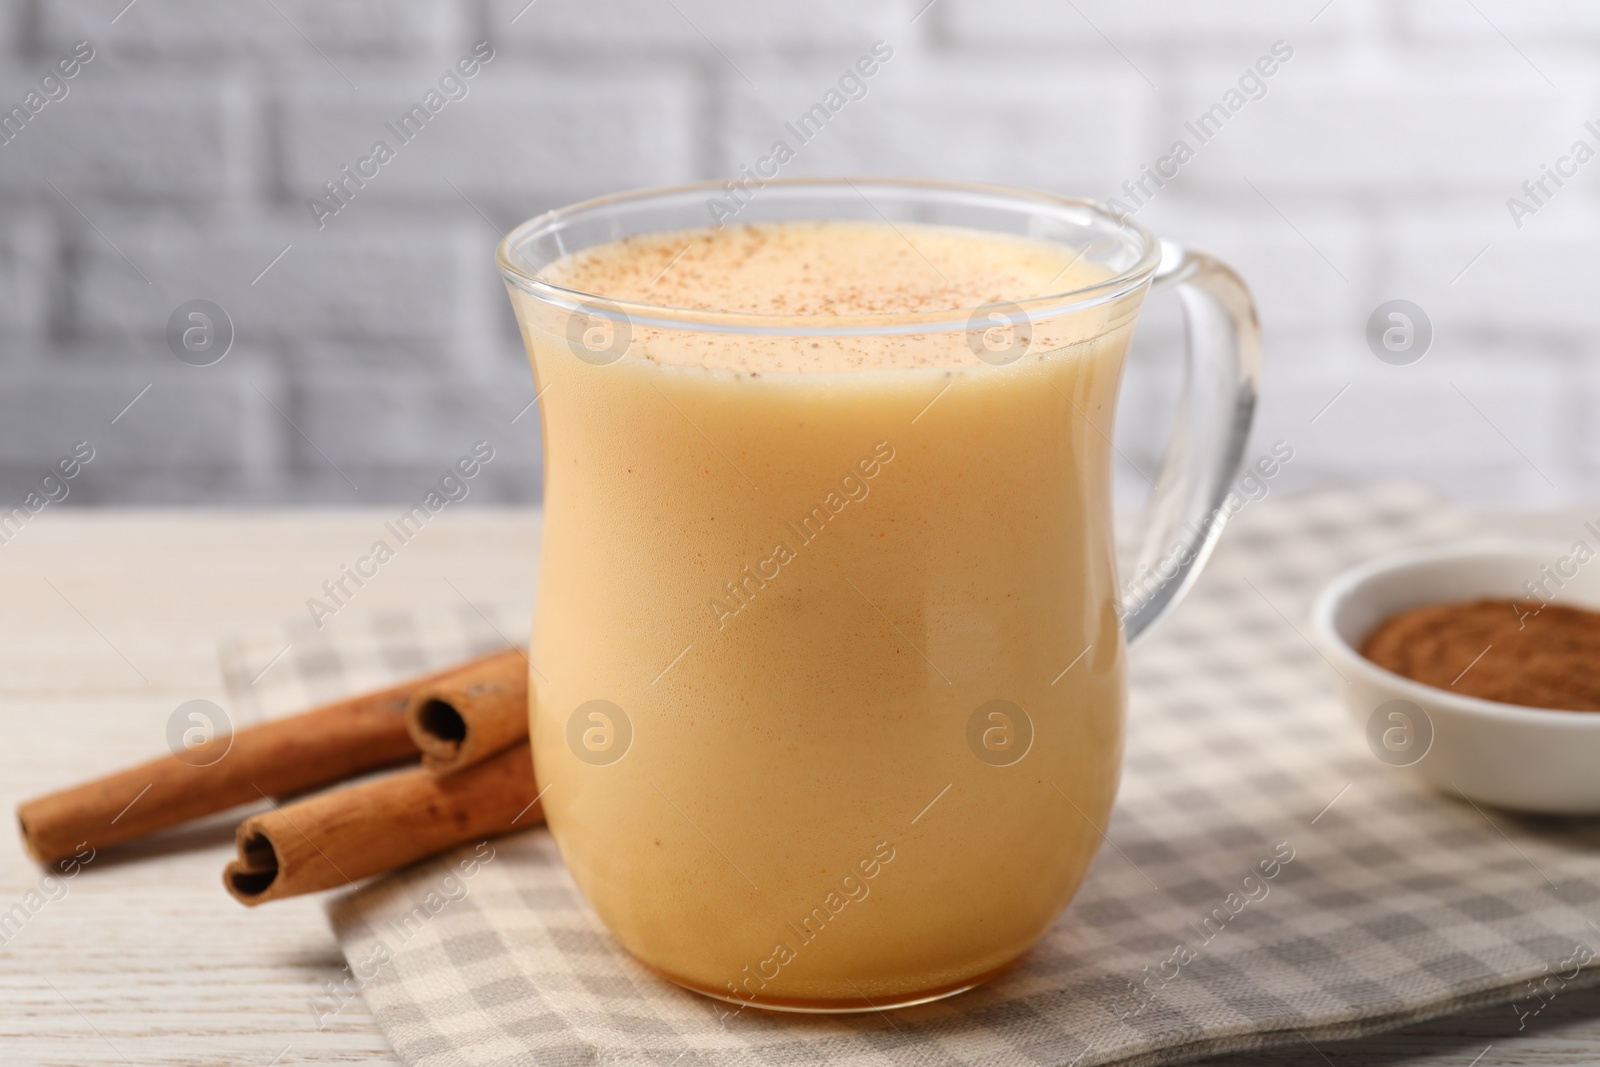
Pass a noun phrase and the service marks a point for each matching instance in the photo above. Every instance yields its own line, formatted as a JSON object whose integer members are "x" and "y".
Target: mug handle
{"x": 1187, "y": 506}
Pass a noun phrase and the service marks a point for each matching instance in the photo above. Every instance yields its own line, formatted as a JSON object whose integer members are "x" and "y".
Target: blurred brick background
{"x": 371, "y": 353}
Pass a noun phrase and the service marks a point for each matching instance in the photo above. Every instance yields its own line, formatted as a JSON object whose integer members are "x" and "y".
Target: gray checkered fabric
{"x": 1386, "y": 903}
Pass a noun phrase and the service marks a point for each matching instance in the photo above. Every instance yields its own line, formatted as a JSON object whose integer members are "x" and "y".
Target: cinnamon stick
{"x": 340, "y": 837}
{"x": 468, "y": 716}
{"x": 283, "y": 757}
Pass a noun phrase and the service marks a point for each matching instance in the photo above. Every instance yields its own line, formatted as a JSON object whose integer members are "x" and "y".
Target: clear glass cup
{"x": 828, "y": 667}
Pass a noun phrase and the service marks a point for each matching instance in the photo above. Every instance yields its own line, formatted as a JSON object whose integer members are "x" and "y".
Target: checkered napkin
{"x": 1385, "y": 903}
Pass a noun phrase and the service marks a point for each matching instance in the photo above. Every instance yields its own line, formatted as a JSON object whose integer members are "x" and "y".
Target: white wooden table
{"x": 110, "y": 620}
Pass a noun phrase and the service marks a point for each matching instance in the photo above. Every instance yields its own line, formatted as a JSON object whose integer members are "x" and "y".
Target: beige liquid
{"x": 800, "y": 566}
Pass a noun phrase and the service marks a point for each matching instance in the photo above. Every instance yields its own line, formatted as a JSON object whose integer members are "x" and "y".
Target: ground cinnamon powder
{"x": 1512, "y": 651}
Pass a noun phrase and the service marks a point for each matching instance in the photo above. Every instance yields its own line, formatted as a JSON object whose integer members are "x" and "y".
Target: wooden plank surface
{"x": 110, "y": 620}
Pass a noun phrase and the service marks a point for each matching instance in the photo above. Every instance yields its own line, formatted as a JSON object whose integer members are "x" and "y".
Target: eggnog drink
{"x": 827, "y": 673}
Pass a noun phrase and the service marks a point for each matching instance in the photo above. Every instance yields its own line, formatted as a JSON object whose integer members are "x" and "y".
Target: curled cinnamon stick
{"x": 340, "y": 837}
{"x": 468, "y": 716}
{"x": 283, "y": 757}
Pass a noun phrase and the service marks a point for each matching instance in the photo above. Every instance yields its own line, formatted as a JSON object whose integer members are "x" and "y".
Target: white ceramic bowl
{"x": 1523, "y": 759}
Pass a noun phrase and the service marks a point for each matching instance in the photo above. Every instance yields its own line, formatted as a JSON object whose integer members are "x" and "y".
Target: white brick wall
{"x": 378, "y": 347}
{"x": 196, "y": 29}
{"x": 695, "y": 27}
{"x": 28, "y": 284}
{"x": 518, "y": 137}
{"x": 125, "y": 138}
{"x": 967, "y": 118}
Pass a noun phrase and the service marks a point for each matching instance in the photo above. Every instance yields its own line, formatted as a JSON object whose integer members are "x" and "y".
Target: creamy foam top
{"x": 817, "y": 269}
{"x": 824, "y": 268}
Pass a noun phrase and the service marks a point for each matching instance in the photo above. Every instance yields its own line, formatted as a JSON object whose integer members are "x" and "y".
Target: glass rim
{"x": 637, "y": 313}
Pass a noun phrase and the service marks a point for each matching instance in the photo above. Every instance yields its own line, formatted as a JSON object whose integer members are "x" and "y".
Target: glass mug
{"x": 828, "y": 668}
